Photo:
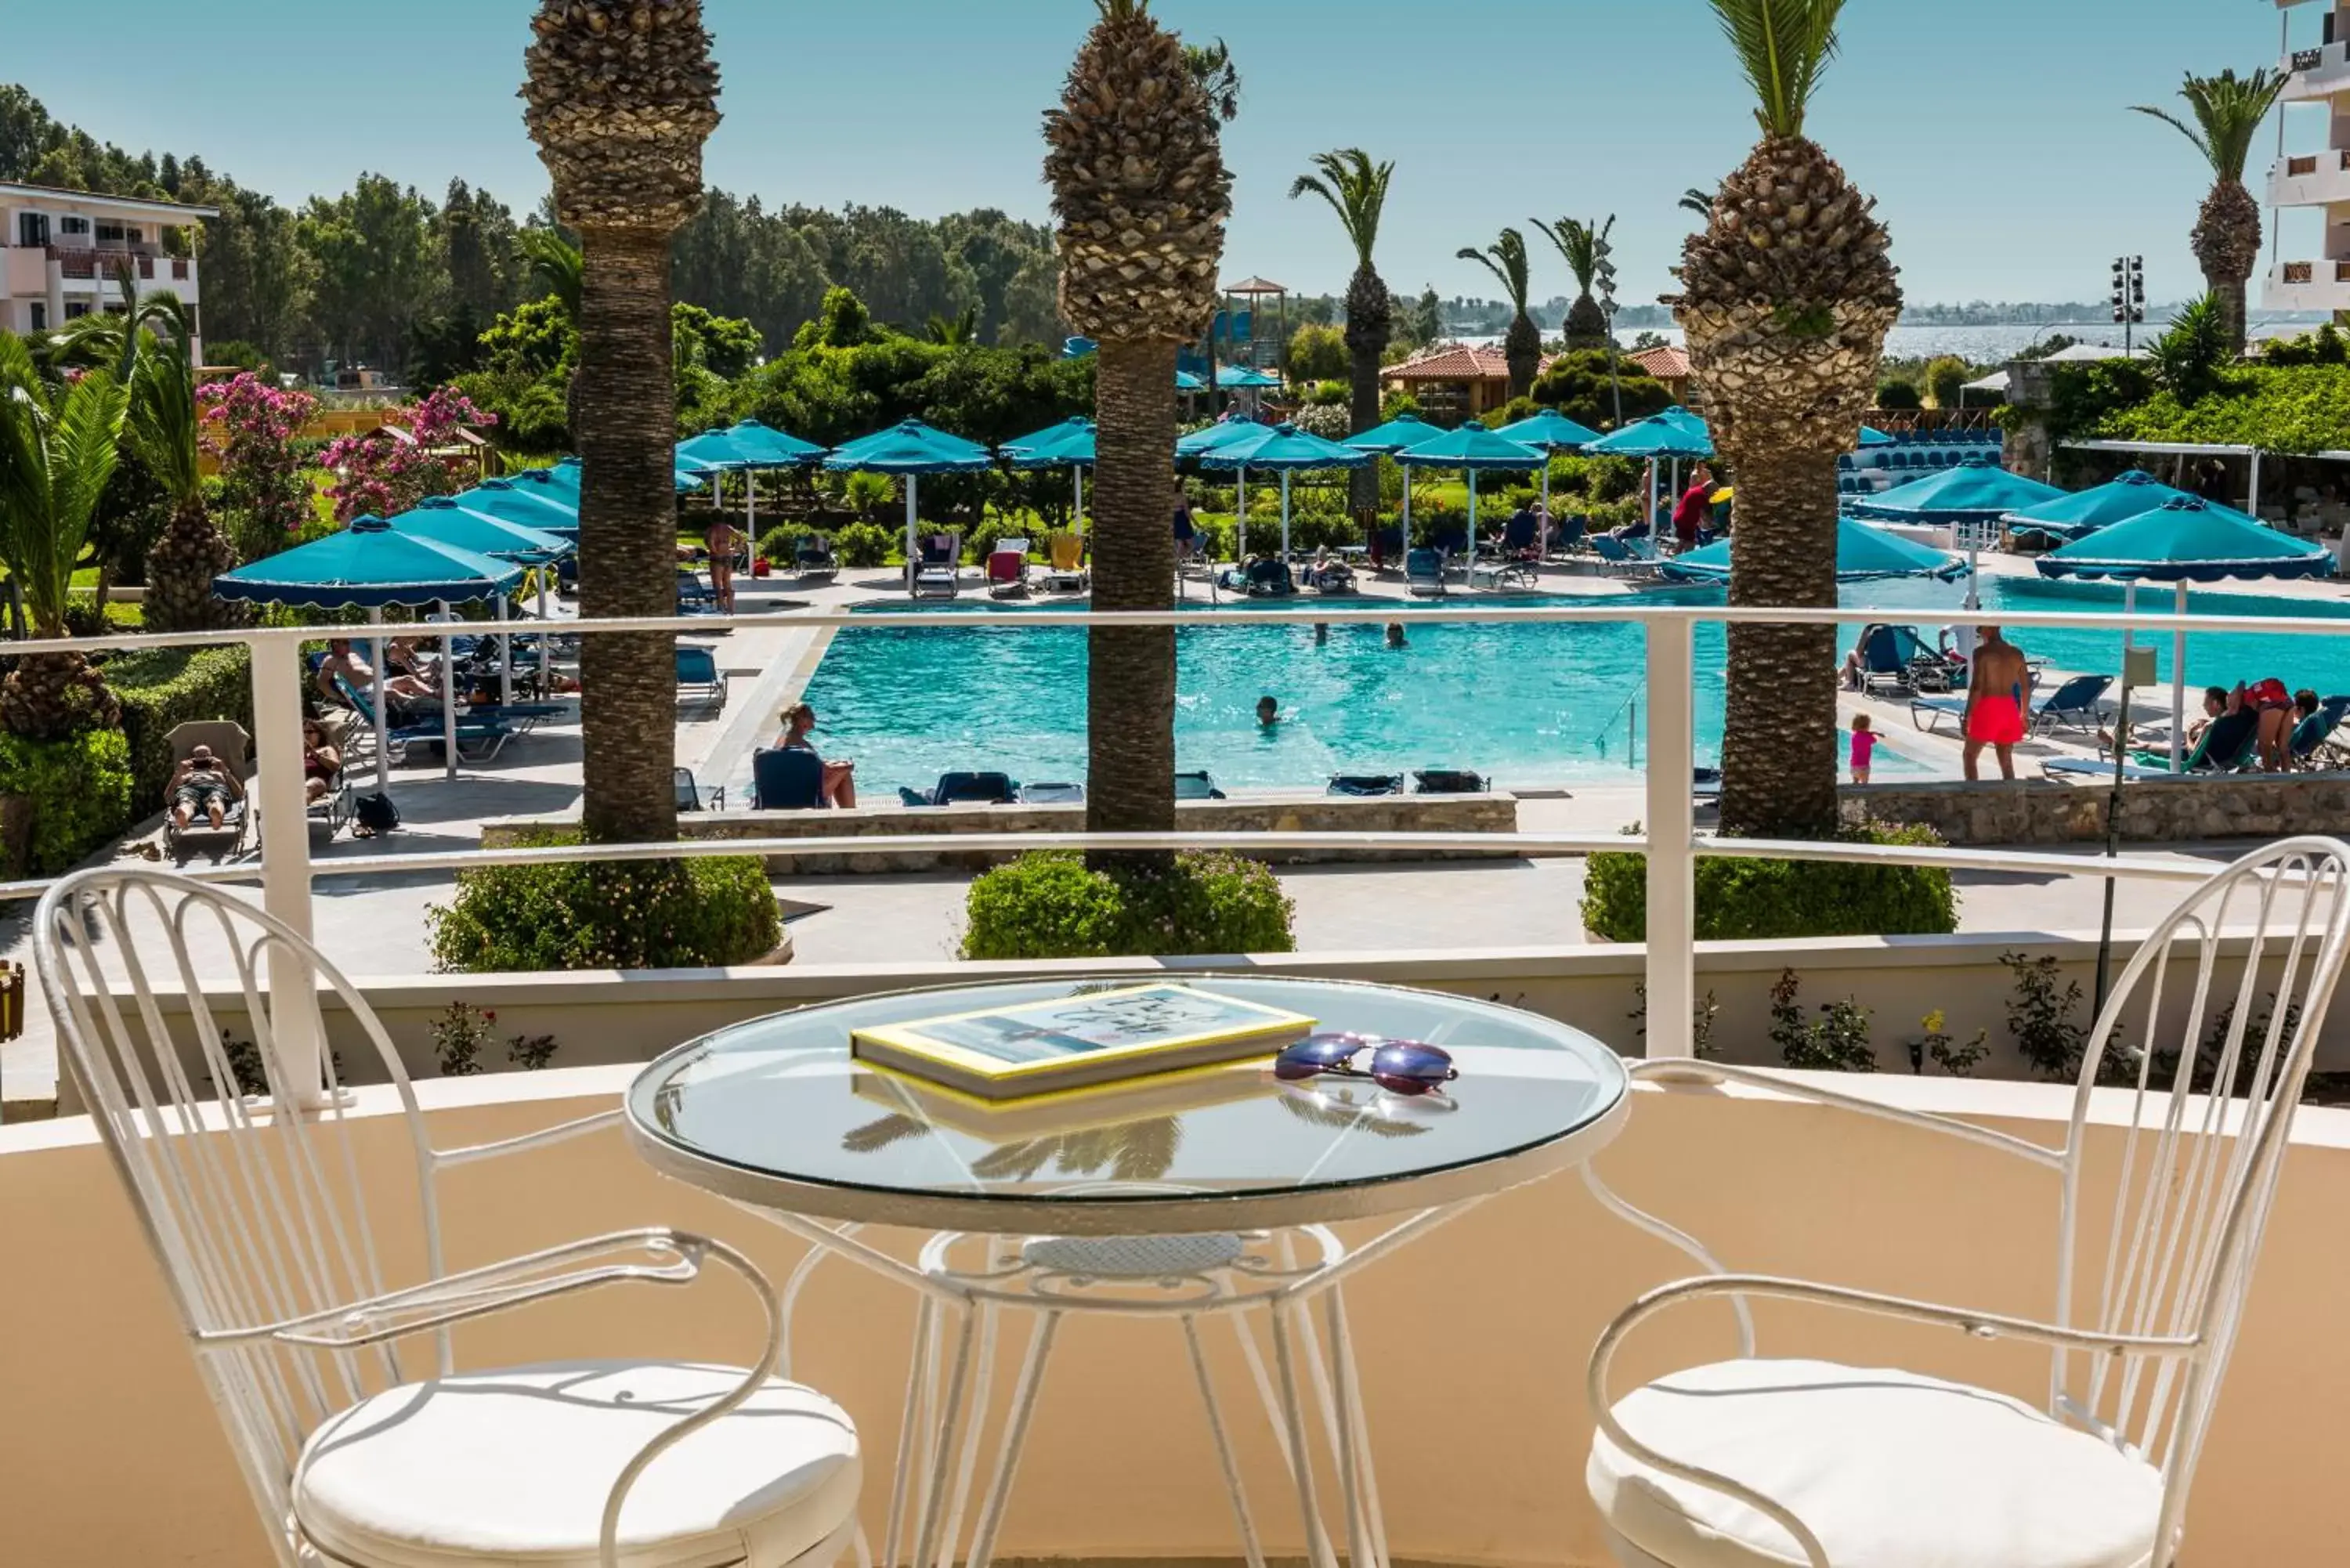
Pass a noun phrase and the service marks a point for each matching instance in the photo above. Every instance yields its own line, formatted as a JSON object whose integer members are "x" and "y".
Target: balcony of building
{"x": 2318, "y": 73}
{"x": 2310, "y": 180}
{"x": 2307, "y": 285}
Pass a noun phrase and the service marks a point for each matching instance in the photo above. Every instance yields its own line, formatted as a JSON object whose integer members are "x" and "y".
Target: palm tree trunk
{"x": 1779, "y": 762}
{"x": 1130, "y": 691}
{"x": 1370, "y": 324}
{"x": 627, "y": 430}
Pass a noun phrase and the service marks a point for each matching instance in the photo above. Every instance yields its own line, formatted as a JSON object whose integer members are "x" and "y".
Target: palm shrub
{"x": 1357, "y": 190}
{"x": 1583, "y": 247}
{"x": 1135, "y": 161}
{"x": 162, "y": 428}
{"x": 2223, "y": 112}
{"x": 58, "y": 450}
{"x": 1786, "y": 298}
{"x": 1506, "y": 259}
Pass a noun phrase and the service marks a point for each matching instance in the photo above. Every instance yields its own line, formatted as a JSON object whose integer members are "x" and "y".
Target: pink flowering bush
{"x": 384, "y": 475}
{"x": 250, "y": 429}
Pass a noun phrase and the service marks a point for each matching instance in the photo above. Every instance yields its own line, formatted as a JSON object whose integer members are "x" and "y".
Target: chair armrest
{"x": 1738, "y": 1287}
{"x": 560, "y": 1133}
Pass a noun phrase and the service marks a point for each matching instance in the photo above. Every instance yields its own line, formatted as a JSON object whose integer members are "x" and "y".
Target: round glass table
{"x": 775, "y": 1113}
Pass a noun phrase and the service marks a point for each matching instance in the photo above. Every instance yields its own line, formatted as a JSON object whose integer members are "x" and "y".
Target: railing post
{"x": 282, "y": 812}
{"x": 1671, "y": 827}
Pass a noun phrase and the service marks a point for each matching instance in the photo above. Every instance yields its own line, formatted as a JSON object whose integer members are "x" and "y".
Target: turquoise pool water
{"x": 1528, "y": 704}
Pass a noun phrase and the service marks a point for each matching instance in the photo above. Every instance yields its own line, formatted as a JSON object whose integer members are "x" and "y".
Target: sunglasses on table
{"x": 1399, "y": 1067}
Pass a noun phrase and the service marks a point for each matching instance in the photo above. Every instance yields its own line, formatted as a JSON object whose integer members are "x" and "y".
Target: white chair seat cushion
{"x": 1888, "y": 1469}
{"x": 517, "y": 1463}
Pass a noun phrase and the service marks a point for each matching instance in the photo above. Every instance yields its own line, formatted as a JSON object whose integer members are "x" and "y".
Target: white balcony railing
{"x": 286, "y": 872}
{"x": 2316, "y": 73}
{"x": 2310, "y": 179}
{"x": 2308, "y": 285}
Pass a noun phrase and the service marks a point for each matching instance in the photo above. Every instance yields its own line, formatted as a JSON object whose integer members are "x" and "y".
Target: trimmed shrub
{"x": 1049, "y": 906}
{"x": 656, "y": 914}
{"x": 80, "y": 796}
{"x": 779, "y": 547}
{"x": 163, "y": 688}
{"x": 863, "y": 545}
{"x": 1748, "y": 901}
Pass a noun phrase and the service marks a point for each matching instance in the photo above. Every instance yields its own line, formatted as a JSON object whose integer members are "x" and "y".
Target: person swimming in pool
{"x": 1268, "y": 712}
{"x": 1995, "y": 701}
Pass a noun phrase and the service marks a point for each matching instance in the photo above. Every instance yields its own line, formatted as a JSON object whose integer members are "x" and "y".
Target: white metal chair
{"x": 261, "y": 1222}
{"x": 1751, "y": 1462}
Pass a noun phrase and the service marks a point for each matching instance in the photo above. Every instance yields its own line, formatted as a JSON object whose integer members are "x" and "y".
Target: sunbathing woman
{"x": 839, "y": 788}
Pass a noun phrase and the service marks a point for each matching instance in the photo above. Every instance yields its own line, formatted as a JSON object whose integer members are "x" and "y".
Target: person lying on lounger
{"x": 343, "y": 660}
{"x": 839, "y": 789}
{"x": 202, "y": 785}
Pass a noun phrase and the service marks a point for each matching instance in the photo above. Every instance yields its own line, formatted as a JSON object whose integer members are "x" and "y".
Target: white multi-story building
{"x": 64, "y": 250}
{"x": 2317, "y": 180}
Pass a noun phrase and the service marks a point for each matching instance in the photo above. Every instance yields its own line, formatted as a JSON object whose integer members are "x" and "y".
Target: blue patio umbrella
{"x": 1976, "y": 491}
{"x": 1473, "y": 449}
{"x": 451, "y": 522}
{"x": 1551, "y": 432}
{"x": 1187, "y": 383}
{"x": 545, "y": 507}
{"x": 2086, "y": 511}
{"x": 1231, "y": 427}
{"x": 1669, "y": 437}
{"x": 1870, "y": 436}
{"x": 689, "y": 476}
{"x": 370, "y": 565}
{"x": 1864, "y": 554}
{"x": 1241, "y": 378}
{"x": 1286, "y": 450}
{"x": 2185, "y": 540}
{"x": 1405, "y": 431}
{"x": 748, "y": 449}
{"x": 910, "y": 449}
{"x": 1069, "y": 444}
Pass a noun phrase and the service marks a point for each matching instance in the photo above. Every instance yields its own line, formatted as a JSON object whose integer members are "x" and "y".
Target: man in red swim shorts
{"x": 1995, "y": 698}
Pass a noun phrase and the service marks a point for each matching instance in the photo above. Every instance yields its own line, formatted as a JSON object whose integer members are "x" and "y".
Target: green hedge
{"x": 80, "y": 794}
{"x": 668, "y": 914}
{"x": 162, "y": 688}
{"x": 863, "y": 545}
{"x": 1748, "y": 901}
{"x": 1049, "y": 906}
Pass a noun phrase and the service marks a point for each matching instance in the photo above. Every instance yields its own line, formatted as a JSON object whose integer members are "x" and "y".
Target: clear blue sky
{"x": 1993, "y": 133}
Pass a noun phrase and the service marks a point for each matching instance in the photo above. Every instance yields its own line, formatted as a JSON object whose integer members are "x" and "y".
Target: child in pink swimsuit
{"x": 1864, "y": 746}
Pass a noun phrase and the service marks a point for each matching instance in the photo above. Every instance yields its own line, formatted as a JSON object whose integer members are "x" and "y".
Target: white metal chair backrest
{"x": 2194, "y": 1171}
{"x": 256, "y": 1216}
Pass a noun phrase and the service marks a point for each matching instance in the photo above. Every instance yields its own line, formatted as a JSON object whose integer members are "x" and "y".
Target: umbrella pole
{"x": 2113, "y": 841}
{"x": 1077, "y": 518}
{"x": 1407, "y": 506}
{"x": 448, "y": 695}
{"x": 913, "y": 482}
{"x": 1240, "y": 550}
{"x": 1472, "y": 528}
{"x": 1284, "y": 515}
{"x": 506, "y": 659}
{"x": 546, "y": 639}
{"x": 382, "y": 738}
{"x": 2178, "y": 689}
{"x": 1544, "y": 552}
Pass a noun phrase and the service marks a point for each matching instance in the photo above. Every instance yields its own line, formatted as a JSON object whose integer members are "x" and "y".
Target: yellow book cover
{"x": 1076, "y": 1042}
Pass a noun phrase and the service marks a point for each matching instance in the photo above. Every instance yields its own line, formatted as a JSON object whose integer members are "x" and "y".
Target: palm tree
{"x": 161, "y": 430}
{"x": 1582, "y": 244}
{"x": 1699, "y": 201}
{"x": 2225, "y": 111}
{"x": 554, "y": 264}
{"x": 1212, "y": 67}
{"x": 1506, "y": 260}
{"x": 1140, "y": 197}
{"x": 1787, "y": 295}
{"x": 957, "y": 330}
{"x": 619, "y": 103}
{"x": 58, "y": 450}
{"x": 1357, "y": 190}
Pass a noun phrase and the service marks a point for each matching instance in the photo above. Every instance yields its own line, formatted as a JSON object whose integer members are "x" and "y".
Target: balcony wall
{"x": 2307, "y": 285}
{"x": 2318, "y": 73}
{"x": 112, "y": 1455}
{"x": 2310, "y": 180}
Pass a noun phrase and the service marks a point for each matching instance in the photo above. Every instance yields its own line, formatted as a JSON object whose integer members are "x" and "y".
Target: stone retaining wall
{"x": 1299, "y": 813}
{"x": 2154, "y": 811}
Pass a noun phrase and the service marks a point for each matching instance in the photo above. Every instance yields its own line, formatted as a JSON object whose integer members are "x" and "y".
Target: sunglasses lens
{"x": 1326, "y": 1050}
{"x": 1407, "y": 1086}
{"x": 1423, "y": 1065}
{"x": 1291, "y": 1072}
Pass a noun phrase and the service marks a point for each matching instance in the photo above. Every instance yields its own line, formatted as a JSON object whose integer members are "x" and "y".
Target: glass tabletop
{"x": 775, "y": 1111}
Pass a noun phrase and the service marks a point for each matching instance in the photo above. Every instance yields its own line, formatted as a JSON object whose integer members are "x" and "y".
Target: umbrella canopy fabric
{"x": 1232, "y": 427}
{"x": 369, "y": 565}
{"x": 747, "y": 446}
{"x": 1863, "y": 555}
{"x": 1550, "y": 432}
{"x": 1283, "y": 449}
{"x": 1398, "y": 435}
{"x": 441, "y": 518}
{"x": 1870, "y": 436}
{"x": 1068, "y": 444}
{"x": 2086, "y": 511}
{"x": 2188, "y": 540}
{"x": 564, "y": 475}
{"x": 1676, "y": 432}
{"x": 1472, "y": 446}
{"x": 1975, "y": 491}
{"x": 1187, "y": 383}
{"x": 912, "y": 447}
{"x": 1241, "y": 378}
{"x": 548, "y": 508}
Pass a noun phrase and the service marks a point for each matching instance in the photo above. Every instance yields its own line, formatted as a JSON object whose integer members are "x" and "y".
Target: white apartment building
{"x": 63, "y": 249}
{"x": 2318, "y": 180}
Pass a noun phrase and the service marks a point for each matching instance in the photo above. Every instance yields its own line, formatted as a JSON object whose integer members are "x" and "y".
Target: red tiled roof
{"x": 1455, "y": 363}
{"x": 1666, "y": 363}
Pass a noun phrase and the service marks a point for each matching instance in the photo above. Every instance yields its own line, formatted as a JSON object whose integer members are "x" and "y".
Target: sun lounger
{"x": 692, "y": 797}
{"x": 1270, "y": 579}
{"x": 697, "y": 674}
{"x": 965, "y": 789}
{"x": 1331, "y": 577}
{"x": 1927, "y": 712}
{"x": 234, "y": 748}
{"x": 1196, "y": 786}
{"x": 1503, "y": 574}
{"x": 480, "y": 736}
{"x": 1053, "y": 794}
{"x": 332, "y": 811}
{"x": 695, "y": 596}
{"x": 938, "y": 572}
{"x": 1621, "y": 559}
{"x": 1449, "y": 780}
{"x": 1007, "y": 569}
{"x": 2076, "y": 705}
{"x": 813, "y": 558}
{"x": 1423, "y": 575}
{"x": 788, "y": 778}
{"x": 2314, "y": 746}
{"x": 1566, "y": 533}
{"x": 2230, "y": 743}
{"x": 1067, "y": 573}
{"x": 1366, "y": 786}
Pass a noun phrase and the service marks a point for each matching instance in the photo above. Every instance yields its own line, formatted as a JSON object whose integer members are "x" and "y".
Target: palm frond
{"x": 84, "y": 445}
{"x": 1579, "y": 244}
{"x": 556, "y": 267}
{"x": 1212, "y": 67}
{"x": 2226, "y": 113}
{"x": 1699, "y": 201}
{"x": 1784, "y": 48}
{"x": 1357, "y": 190}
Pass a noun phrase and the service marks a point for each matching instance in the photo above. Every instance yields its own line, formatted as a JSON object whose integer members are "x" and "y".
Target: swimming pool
{"x": 1530, "y": 705}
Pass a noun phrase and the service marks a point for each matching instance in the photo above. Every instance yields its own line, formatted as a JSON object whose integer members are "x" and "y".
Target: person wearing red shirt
{"x": 1695, "y": 505}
